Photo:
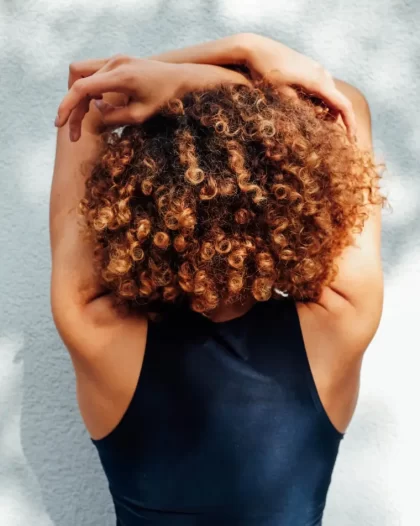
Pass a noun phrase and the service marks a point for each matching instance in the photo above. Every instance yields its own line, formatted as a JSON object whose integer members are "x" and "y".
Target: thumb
{"x": 120, "y": 115}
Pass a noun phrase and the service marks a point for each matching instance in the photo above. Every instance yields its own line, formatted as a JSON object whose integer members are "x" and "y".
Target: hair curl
{"x": 227, "y": 193}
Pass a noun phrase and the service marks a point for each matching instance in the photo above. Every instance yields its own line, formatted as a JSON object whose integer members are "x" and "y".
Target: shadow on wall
{"x": 362, "y": 453}
{"x": 54, "y": 441}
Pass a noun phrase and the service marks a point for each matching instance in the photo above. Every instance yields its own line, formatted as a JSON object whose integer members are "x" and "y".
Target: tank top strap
{"x": 294, "y": 353}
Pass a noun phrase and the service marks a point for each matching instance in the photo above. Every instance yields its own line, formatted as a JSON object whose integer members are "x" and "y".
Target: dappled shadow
{"x": 63, "y": 473}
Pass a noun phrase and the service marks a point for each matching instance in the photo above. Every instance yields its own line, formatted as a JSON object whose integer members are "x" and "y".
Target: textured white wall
{"x": 49, "y": 472}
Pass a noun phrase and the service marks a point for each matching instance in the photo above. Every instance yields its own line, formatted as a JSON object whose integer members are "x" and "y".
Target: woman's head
{"x": 224, "y": 194}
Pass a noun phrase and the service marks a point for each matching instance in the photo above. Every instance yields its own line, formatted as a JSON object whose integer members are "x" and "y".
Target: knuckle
{"x": 73, "y": 67}
{"x": 315, "y": 85}
{"x": 318, "y": 69}
{"x": 126, "y": 74}
{"x": 327, "y": 74}
{"x": 78, "y": 86}
{"x": 134, "y": 116}
{"x": 73, "y": 73}
{"x": 322, "y": 78}
{"x": 321, "y": 73}
{"x": 119, "y": 59}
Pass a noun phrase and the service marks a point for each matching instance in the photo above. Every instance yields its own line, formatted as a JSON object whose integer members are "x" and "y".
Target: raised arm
{"x": 74, "y": 282}
{"x": 359, "y": 280}
{"x": 82, "y": 308}
{"x": 346, "y": 317}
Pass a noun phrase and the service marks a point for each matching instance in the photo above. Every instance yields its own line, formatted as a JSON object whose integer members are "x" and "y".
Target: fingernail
{"x": 57, "y": 120}
{"x": 99, "y": 104}
{"x": 103, "y": 106}
{"x": 74, "y": 135}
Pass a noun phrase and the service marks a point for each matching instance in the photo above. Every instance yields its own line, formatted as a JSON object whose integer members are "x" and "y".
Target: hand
{"x": 139, "y": 88}
{"x": 267, "y": 58}
{"x": 287, "y": 68}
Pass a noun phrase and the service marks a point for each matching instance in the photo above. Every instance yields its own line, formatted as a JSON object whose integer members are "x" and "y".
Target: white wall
{"x": 49, "y": 472}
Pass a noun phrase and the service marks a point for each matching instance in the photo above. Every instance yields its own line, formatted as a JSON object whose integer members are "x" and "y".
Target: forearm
{"x": 68, "y": 182}
{"x": 229, "y": 50}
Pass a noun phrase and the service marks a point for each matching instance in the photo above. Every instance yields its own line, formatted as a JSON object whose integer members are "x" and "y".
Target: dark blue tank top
{"x": 225, "y": 426}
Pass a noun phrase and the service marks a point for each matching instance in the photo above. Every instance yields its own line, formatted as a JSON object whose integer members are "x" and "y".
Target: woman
{"x": 243, "y": 214}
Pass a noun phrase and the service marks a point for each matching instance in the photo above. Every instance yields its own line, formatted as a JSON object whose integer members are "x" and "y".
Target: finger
{"x": 338, "y": 101}
{"x": 90, "y": 86}
{"x": 345, "y": 107}
{"x": 76, "y": 118}
{"x": 85, "y": 68}
{"x": 121, "y": 115}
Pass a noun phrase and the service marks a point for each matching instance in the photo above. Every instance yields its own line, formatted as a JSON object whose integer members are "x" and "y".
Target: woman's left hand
{"x": 267, "y": 58}
{"x": 142, "y": 87}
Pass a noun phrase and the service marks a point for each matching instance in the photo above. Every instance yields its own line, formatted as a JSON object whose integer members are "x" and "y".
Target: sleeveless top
{"x": 225, "y": 426}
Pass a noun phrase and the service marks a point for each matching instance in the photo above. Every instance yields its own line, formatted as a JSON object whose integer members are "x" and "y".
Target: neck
{"x": 229, "y": 311}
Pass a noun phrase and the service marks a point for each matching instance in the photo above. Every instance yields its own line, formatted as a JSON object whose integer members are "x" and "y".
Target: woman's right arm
{"x": 358, "y": 288}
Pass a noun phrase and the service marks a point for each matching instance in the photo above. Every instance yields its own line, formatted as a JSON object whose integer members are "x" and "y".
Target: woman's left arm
{"x": 273, "y": 60}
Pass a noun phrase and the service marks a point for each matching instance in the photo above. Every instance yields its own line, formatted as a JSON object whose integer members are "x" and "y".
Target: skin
{"x": 106, "y": 347}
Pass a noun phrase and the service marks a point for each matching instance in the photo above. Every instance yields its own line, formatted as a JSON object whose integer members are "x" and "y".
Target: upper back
{"x": 225, "y": 419}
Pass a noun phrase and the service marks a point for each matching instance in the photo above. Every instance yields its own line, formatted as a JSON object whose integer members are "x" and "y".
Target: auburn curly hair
{"x": 227, "y": 193}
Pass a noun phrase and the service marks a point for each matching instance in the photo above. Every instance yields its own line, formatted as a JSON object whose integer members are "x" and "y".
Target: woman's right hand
{"x": 131, "y": 89}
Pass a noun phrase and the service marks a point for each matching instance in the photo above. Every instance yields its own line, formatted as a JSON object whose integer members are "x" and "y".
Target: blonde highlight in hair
{"x": 227, "y": 193}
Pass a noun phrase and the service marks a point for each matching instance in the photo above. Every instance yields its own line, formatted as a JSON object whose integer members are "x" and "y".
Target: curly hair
{"x": 227, "y": 193}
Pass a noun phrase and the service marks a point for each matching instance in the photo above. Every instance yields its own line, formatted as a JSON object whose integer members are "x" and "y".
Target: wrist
{"x": 243, "y": 47}
{"x": 190, "y": 77}
{"x": 184, "y": 79}
{"x": 198, "y": 77}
